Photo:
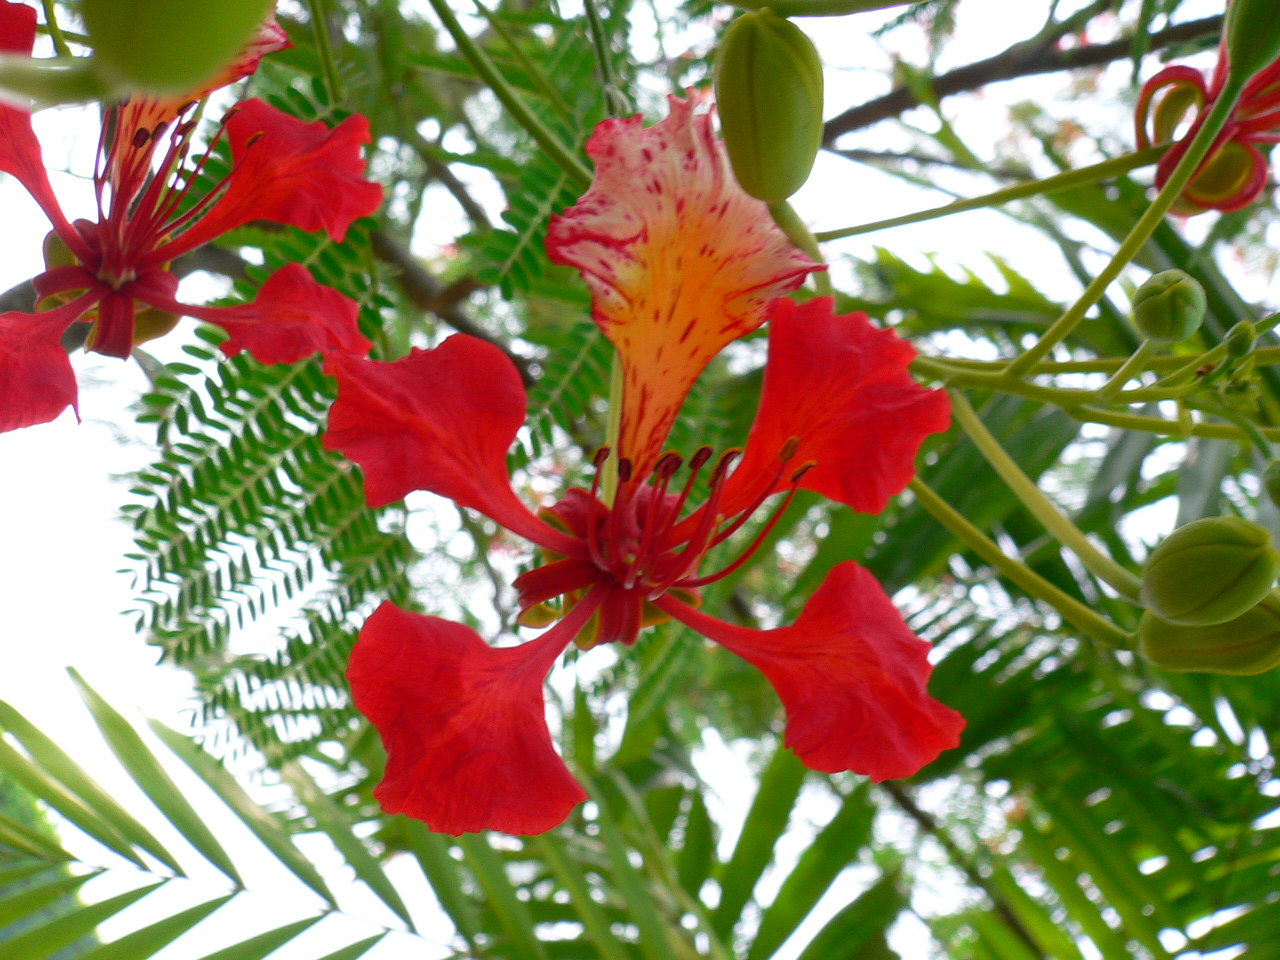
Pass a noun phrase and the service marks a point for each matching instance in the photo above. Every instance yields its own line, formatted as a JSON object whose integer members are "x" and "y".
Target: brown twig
{"x": 430, "y": 294}
{"x": 1021, "y": 60}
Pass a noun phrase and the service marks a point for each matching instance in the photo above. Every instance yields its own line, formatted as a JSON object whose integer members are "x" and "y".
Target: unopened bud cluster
{"x": 1207, "y": 590}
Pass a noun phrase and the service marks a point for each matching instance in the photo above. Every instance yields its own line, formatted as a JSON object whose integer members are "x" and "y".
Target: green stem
{"x": 1263, "y": 357}
{"x": 1132, "y": 367}
{"x": 1168, "y": 428}
{"x": 55, "y": 32}
{"x": 1059, "y": 527}
{"x": 320, "y": 26}
{"x": 613, "y": 432}
{"x": 1141, "y": 232}
{"x": 785, "y": 216}
{"x": 564, "y": 158}
{"x": 615, "y": 102}
{"x": 1072, "y": 610}
{"x": 1063, "y": 181}
{"x": 535, "y": 74}
{"x": 1249, "y": 428}
{"x": 819, "y": 8}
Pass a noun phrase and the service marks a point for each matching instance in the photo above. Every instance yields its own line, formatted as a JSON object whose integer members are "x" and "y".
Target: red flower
{"x": 114, "y": 273}
{"x": 1235, "y": 172}
{"x": 680, "y": 262}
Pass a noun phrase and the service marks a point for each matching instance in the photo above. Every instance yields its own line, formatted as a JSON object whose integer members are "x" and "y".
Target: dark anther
{"x": 667, "y": 464}
{"x": 795, "y": 477}
{"x": 789, "y": 449}
{"x": 140, "y": 138}
{"x": 254, "y": 139}
{"x": 624, "y": 470}
{"x": 600, "y": 457}
{"x": 700, "y": 458}
{"x": 726, "y": 459}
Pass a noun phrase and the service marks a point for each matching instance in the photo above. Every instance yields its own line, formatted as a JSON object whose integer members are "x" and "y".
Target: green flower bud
{"x": 1244, "y": 646}
{"x": 1209, "y": 571}
{"x": 1252, "y": 36}
{"x": 1240, "y": 339}
{"x": 768, "y": 81}
{"x": 170, "y": 46}
{"x": 1169, "y": 307}
{"x": 1271, "y": 481}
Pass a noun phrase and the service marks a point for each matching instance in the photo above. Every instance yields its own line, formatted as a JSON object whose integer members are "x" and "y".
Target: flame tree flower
{"x": 680, "y": 261}
{"x": 1234, "y": 173}
{"x": 114, "y": 273}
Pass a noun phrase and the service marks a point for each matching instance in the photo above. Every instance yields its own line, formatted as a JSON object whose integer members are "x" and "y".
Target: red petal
{"x": 464, "y": 723}
{"x": 851, "y": 675}
{"x": 20, "y": 154}
{"x": 440, "y": 420}
{"x": 36, "y": 379}
{"x": 287, "y": 171}
{"x": 291, "y": 318}
{"x": 842, "y": 387}
{"x": 680, "y": 261}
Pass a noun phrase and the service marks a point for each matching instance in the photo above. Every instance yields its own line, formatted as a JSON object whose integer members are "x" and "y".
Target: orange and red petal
{"x": 680, "y": 261}
{"x": 287, "y": 171}
{"x": 440, "y": 420}
{"x": 36, "y": 379}
{"x": 463, "y": 723}
{"x": 841, "y": 386}
{"x": 291, "y": 318}
{"x": 851, "y": 675}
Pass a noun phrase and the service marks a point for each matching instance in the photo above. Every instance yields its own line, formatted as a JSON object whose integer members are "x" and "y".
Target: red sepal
{"x": 840, "y": 386}
{"x": 851, "y": 675}
{"x": 36, "y": 379}
{"x": 464, "y": 723}
{"x": 286, "y": 171}
{"x": 440, "y": 420}
{"x": 112, "y": 335}
{"x": 291, "y": 318}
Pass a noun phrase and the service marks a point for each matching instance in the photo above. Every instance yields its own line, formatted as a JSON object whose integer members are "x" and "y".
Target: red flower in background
{"x": 113, "y": 273}
{"x": 680, "y": 262}
{"x": 1234, "y": 173}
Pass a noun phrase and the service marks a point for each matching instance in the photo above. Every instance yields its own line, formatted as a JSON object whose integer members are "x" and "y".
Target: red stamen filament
{"x": 687, "y": 560}
{"x": 668, "y": 464}
{"x": 756, "y": 542}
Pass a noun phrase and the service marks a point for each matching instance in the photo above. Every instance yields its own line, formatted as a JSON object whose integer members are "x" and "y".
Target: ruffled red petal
{"x": 36, "y": 379}
{"x": 842, "y": 388}
{"x": 679, "y": 259}
{"x": 291, "y": 318}
{"x": 20, "y": 154}
{"x": 287, "y": 171}
{"x": 464, "y": 723}
{"x": 851, "y": 675}
{"x": 440, "y": 420}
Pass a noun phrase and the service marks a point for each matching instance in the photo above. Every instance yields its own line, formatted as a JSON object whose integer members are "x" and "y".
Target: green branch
{"x": 1032, "y": 188}
{"x": 1072, "y": 610}
{"x": 1141, "y": 232}
{"x": 566, "y": 159}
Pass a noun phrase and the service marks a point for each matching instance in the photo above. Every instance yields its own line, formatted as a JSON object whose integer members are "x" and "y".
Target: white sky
{"x": 61, "y": 542}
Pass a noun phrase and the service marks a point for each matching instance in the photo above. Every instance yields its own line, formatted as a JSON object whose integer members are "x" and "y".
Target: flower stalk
{"x": 1032, "y": 188}
{"x": 1063, "y": 530}
{"x": 1072, "y": 610}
